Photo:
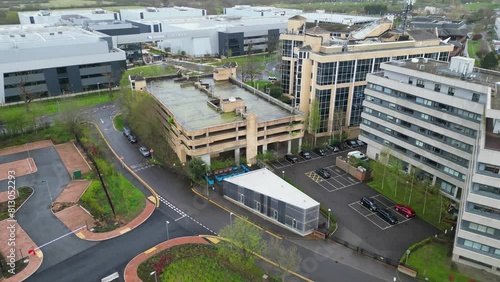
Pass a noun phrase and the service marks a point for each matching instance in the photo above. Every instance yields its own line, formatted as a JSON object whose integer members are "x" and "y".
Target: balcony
{"x": 492, "y": 140}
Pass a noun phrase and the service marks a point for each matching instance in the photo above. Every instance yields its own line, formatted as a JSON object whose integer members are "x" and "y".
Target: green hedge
{"x": 415, "y": 247}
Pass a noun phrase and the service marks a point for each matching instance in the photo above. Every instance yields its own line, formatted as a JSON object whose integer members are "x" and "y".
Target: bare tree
{"x": 109, "y": 80}
{"x": 339, "y": 122}
{"x": 24, "y": 93}
{"x": 250, "y": 69}
{"x": 287, "y": 258}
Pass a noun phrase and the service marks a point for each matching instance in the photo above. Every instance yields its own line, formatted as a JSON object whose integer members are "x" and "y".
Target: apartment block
{"x": 444, "y": 120}
{"x": 332, "y": 65}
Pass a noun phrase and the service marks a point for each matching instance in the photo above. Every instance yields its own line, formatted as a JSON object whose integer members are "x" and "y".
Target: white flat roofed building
{"x": 72, "y": 17}
{"x": 271, "y": 197}
{"x": 260, "y": 11}
{"x": 49, "y": 61}
{"x": 152, "y": 13}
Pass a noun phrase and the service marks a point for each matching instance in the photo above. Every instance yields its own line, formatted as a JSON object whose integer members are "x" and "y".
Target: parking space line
{"x": 346, "y": 187}
{"x": 365, "y": 216}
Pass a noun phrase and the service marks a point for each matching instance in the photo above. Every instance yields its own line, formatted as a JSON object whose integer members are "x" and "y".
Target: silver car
{"x": 144, "y": 152}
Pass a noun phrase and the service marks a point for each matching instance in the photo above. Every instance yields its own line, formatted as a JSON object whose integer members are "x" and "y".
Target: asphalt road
{"x": 368, "y": 232}
{"x": 35, "y": 216}
{"x": 107, "y": 257}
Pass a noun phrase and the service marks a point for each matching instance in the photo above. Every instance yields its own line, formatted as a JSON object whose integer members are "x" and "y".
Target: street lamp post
{"x": 283, "y": 174}
{"x": 329, "y": 210}
{"x": 231, "y": 218}
{"x": 154, "y": 273}
{"x": 168, "y": 236}
{"x": 48, "y": 190}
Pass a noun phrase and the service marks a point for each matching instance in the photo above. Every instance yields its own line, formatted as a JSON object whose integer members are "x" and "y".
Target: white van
{"x": 358, "y": 155}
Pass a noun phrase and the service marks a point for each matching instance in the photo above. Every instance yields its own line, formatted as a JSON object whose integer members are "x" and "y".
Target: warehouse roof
{"x": 267, "y": 183}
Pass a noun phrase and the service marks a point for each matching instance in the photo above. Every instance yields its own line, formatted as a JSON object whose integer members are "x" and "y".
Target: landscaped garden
{"x": 23, "y": 194}
{"x": 432, "y": 260}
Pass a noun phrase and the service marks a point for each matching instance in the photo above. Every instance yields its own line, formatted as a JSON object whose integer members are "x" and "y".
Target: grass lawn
{"x": 431, "y": 261}
{"x": 260, "y": 84}
{"x": 402, "y": 195}
{"x": 194, "y": 262}
{"x": 55, "y": 133}
{"x": 24, "y": 193}
{"x": 126, "y": 198}
{"x": 118, "y": 122}
{"x": 260, "y": 58}
{"x": 147, "y": 71}
{"x": 47, "y": 107}
{"x": 477, "y": 6}
{"x": 4, "y": 269}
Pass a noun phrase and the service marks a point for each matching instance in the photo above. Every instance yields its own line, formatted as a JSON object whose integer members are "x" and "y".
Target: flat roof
{"x": 203, "y": 22}
{"x": 190, "y": 108}
{"x": 337, "y": 18}
{"x": 95, "y": 11}
{"x": 162, "y": 9}
{"x": 35, "y": 35}
{"x": 267, "y": 183}
{"x": 478, "y": 76}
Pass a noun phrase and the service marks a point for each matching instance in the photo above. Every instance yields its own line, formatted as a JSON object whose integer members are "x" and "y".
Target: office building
{"x": 49, "y": 61}
{"x": 153, "y": 13}
{"x": 331, "y": 66}
{"x": 271, "y": 197}
{"x": 66, "y": 17}
{"x": 260, "y": 11}
{"x": 444, "y": 121}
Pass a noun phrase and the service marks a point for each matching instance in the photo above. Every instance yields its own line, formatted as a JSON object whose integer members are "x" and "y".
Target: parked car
{"x": 386, "y": 215}
{"x": 291, "y": 158}
{"x": 405, "y": 210}
{"x": 369, "y": 203}
{"x": 358, "y": 155}
{"x": 351, "y": 143}
{"x": 333, "y": 148}
{"x": 132, "y": 138}
{"x": 305, "y": 154}
{"x": 144, "y": 152}
{"x": 323, "y": 172}
{"x": 126, "y": 131}
{"x": 320, "y": 151}
{"x": 360, "y": 143}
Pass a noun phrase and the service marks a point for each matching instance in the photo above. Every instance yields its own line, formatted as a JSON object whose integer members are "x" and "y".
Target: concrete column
{"x": 264, "y": 148}
{"x": 237, "y": 155}
{"x": 300, "y": 143}
{"x": 289, "y": 147}
{"x": 409, "y": 168}
{"x": 434, "y": 180}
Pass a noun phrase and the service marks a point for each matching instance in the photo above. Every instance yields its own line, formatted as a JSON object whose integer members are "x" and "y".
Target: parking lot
{"x": 338, "y": 180}
{"x": 373, "y": 217}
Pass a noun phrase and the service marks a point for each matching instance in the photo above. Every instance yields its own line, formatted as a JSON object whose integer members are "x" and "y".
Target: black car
{"x": 369, "y": 203}
{"x": 305, "y": 154}
{"x": 320, "y": 151}
{"x": 333, "y": 148}
{"x": 351, "y": 143}
{"x": 131, "y": 137}
{"x": 126, "y": 131}
{"x": 323, "y": 172}
{"x": 360, "y": 143}
{"x": 291, "y": 158}
{"x": 387, "y": 216}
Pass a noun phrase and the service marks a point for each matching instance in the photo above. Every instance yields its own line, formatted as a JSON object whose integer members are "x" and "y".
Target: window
{"x": 242, "y": 198}
{"x": 368, "y": 110}
{"x": 326, "y": 73}
{"x": 437, "y": 87}
{"x": 356, "y": 107}
{"x": 323, "y": 97}
{"x": 475, "y": 97}
{"x": 481, "y": 228}
{"x": 451, "y": 91}
{"x": 424, "y": 116}
{"x": 420, "y": 83}
{"x": 275, "y": 214}
{"x": 410, "y": 80}
{"x": 346, "y": 71}
{"x": 419, "y": 143}
{"x": 294, "y": 223}
{"x": 485, "y": 189}
{"x": 257, "y": 206}
{"x": 363, "y": 67}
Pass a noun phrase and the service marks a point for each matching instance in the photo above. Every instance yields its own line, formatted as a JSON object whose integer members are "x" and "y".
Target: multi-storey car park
{"x": 444, "y": 120}
{"x": 49, "y": 61}
{"x": 331, "y": 65}
{"x": 221, "y": 116}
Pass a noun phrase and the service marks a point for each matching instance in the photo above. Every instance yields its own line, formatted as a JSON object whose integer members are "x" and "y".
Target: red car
{"x": 405, "y": 210}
